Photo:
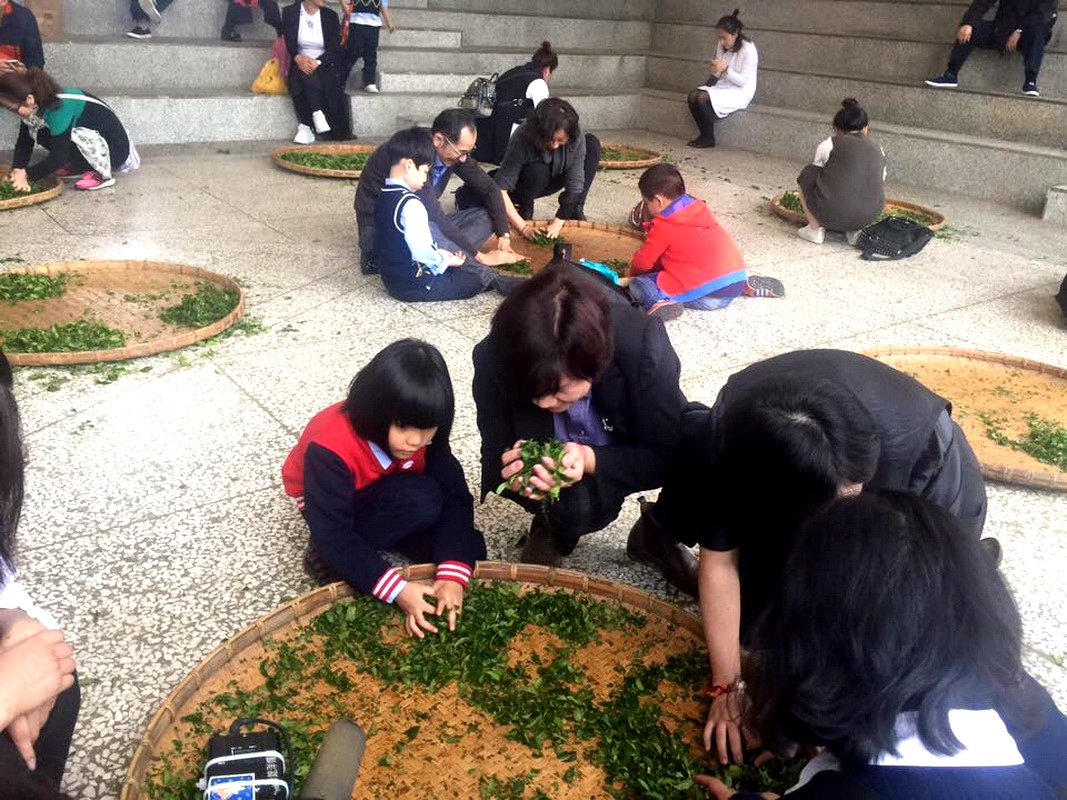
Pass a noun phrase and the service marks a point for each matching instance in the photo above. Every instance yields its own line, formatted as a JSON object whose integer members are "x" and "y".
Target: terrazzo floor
{"x": 155, "y": 525}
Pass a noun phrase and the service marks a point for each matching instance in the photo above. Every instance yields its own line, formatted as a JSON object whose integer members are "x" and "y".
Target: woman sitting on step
{"x": 732, "y": 82}
{"x": 313, "y": 38}
{"x": 844, "y": 188}
{"x": 80, "y": 132}
{"x": 518, "y": 92}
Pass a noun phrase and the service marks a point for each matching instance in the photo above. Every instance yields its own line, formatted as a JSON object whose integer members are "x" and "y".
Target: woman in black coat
{"x": 568, "y": 359}
{"x": 313, "y": 38}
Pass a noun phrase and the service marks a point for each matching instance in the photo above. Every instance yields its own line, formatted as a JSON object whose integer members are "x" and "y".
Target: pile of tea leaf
{"x": 1045, "y": 439}
{"x": 542, "y": 239}
{"x": 623, "y": 153}
{"x": 531, "y": 453}
{"x": 8, "y": 192}
{"x": 518, "y": 268}
{"x": 641, "y": 731}
{"x": 16, "y": 287}
{"x": 350, "y": 162}
{"x": 207, "y": 305}
{"x": 65, "y": 337}
{"x": 791, "y": 202}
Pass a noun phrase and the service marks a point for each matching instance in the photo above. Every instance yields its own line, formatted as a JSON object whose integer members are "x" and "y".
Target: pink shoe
{"x": 91, "y": 181}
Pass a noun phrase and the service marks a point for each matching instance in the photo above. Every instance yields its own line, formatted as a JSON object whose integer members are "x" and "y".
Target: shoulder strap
{"x": 84, "y": 98}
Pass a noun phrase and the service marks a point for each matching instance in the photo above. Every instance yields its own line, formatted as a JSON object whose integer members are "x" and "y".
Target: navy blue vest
{"x": 400, "y": 274}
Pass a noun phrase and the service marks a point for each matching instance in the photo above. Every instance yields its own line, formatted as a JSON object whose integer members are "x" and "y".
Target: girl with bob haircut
{"x": 568, "y": 359}
{"x": 81, "y": 133}
{"x": 894, "y": 643}
{"x": 548, "y": 153}
{"x": 843, "y": 189}
{"x": 39, "y": 693}
{"x": 732, "y": 83}
{"x": 375, "y": 472}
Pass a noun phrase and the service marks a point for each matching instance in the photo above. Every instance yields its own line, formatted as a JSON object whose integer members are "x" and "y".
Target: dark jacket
{"x": 637, "y": 398}
{"x": 376, "y": 170}
{"x": 1012, "y": 14}
{"x": 331, "y": 33}
{"x": 19, "y": 29}
{"x": 510, "y": 107}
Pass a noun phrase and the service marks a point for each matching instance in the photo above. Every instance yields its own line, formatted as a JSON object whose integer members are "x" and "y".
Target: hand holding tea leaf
{"x": 412, "y": 601}
{"x": 19, "y": 180}
{"x": 449, "y": 599}
{"x": 540, "y": 470}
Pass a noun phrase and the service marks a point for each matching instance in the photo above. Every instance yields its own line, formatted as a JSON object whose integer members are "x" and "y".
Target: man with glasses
{"x": 454, "y": 135}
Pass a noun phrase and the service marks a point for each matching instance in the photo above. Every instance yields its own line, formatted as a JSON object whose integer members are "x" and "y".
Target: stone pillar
{"x": 49, "y": 15}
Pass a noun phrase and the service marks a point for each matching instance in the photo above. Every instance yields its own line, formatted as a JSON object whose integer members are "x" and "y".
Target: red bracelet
{"x": 718, "y": 690}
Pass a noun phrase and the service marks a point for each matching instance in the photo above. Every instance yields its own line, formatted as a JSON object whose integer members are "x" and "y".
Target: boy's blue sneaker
{"x": 1030, "y": 89}
{"x": 666, "y": 310}
{"x": 764, "y": 286}
{"x": 946, "y": 80}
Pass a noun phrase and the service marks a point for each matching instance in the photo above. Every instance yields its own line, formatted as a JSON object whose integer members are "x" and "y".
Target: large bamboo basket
{"x": 595, "y": 241}
{"x": 55, "y": 188}
{"x": 100, "y": 289}
{"x": 935, "y": 220}
{"x": 217, "y": 667}
{"x": 326, "y": 150}
{"x": 944, "y": 369}
{"x": 645, "y": 157}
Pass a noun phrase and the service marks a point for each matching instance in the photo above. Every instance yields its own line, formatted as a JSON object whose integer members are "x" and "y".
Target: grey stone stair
{"x": 1000, "y": 171}
{"x": 1005, "y": 116}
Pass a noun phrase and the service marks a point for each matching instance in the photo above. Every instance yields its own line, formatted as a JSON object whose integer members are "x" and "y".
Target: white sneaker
{"x": 813, "y": 235}
{"x": 853, "y": 236}
{"x": 304, "y": 135}
{"x": 319, "y": 120}
{"x": 371, "y": 87}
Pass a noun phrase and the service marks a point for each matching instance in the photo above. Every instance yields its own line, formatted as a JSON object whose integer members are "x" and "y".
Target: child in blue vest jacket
{"x": 412, "y": 267}
{"x": 375, "y": 472}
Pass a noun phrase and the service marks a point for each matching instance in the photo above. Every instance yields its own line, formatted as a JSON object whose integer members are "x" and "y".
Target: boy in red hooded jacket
{"x": 687, "y": 258}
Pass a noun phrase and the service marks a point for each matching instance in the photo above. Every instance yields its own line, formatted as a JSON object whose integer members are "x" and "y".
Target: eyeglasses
{"x": 460, "y": 154}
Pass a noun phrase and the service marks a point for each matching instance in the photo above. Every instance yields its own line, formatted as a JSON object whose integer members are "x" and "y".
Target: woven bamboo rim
{"x": 937, "y": 219}
{"x": 653, "y": 157}
{"x": 55, "y": 188}
{"x": 163, "y": 344}
{"x": 325, "y": 150}
{"x": 307, "y": 605}
{"x": 1030, "y": 478}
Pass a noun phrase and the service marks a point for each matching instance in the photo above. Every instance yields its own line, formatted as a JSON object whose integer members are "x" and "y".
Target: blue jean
{"x": 646, "y": 291}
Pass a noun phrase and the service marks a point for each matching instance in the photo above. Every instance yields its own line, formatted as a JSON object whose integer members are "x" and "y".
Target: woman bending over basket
{"x": 79, "y": 130}
{"x": 732, "y": 83}
{"x": 375, "y": 472}
{"x": 844, "y": 188}
{"x": 893, "y": 643}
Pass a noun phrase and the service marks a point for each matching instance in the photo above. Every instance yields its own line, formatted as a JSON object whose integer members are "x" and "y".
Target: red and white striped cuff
{"x": 389, "y": 585}
{"x": 454, "y": 571}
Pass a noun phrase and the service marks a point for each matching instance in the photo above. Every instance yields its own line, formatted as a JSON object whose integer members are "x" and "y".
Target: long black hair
{"x": 731, "y": 23}
{"x": 885, "y": 606}
{"x": 406, "y": 384}
{"x": 12, "y": 466}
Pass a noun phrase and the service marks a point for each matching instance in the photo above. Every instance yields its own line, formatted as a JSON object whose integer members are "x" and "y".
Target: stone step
{"x": 902, "y": 61}
{"x": 187, "y": 19}
{"x": 591, "y": 9}
{"x": 1003, "y": 172}
{"x": 1009, "y": 116}
{"x": 220, "y": 116}
{"x": 167, "y": 65}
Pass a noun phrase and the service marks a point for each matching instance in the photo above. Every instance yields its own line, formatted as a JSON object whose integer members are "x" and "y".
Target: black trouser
{"x": 586, "y": 507}
{"x": 53, "y": 744}
{"x": 536, "y": 180}
{"x": 985, "y": 36}
{"x": 362, "y": 43}
{"x": 242, "y": 15}
{"x": 703, "y": 113}
{"x": 139, "y": 16}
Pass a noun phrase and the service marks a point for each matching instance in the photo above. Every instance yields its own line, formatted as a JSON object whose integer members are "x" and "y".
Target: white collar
{"x": 985, "y": 739}
{"x": 383, "y": 457}
{"x": 984, "y": 736}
